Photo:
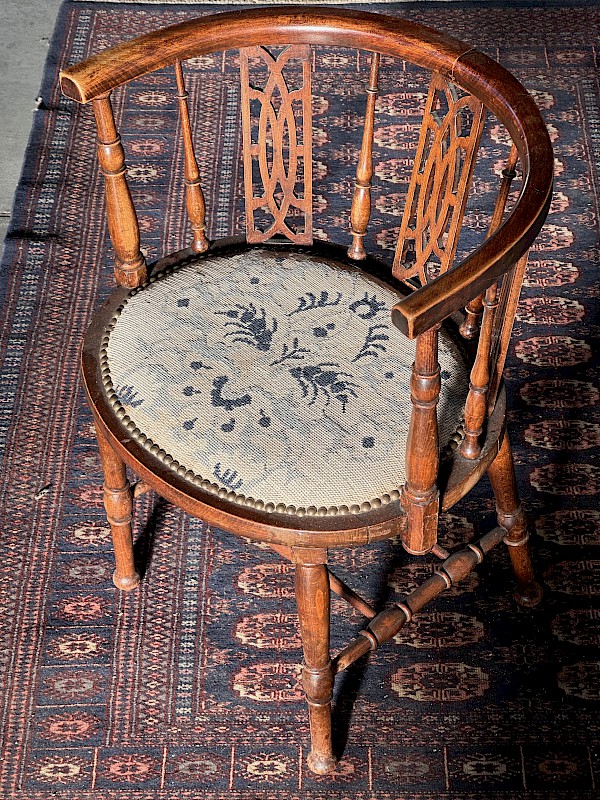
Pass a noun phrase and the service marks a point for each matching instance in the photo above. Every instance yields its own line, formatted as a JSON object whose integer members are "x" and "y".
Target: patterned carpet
{"x": 189, "y": 687}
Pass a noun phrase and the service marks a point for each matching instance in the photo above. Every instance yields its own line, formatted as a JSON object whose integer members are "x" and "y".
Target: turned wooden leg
{"x": 312, "y": 597}
{"x": 118, "y": 505}
{"x": 512, "y": 518}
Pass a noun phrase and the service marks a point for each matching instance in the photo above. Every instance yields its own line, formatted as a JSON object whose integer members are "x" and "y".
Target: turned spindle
{"x": 360, "y": 212}
{"x": 312, "y": 598}
{"x": 474, "y": 309}
{"x": 130, "y": 265}
{"x": 420, "y": 496}
{"x": 118, "y": 501}
{"x": 476, "y": 405}
{"x": 505, "y": 317}
{"x": 512, "y": 519}
{"x": 194, "y": 198}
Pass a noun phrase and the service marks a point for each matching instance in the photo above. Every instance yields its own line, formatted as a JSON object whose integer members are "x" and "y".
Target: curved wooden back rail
{"x": 465, "y": 85}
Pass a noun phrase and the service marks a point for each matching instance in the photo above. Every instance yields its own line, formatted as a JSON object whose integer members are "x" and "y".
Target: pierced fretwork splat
{"x": 277, "y": 134}
{"x": 437, "y": 194}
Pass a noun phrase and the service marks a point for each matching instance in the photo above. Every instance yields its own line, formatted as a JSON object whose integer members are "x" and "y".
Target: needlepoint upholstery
{"x": 278, "y": 376}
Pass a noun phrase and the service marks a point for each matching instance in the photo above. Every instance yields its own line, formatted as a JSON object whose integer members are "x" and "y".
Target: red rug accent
{"x": 189, "y": 687}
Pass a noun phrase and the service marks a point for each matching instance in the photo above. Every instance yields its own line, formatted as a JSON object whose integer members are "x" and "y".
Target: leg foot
{"x": 312, "y": 597}
{"x": 530, "y": 601}
{"x": 118, "y": 502}
{"x": 320, "y": 765}
{"x": 126, "y": 583}
{"x": 512, "y": 518}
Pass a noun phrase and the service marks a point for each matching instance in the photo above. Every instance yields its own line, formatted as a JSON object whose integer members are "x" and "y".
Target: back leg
{"x": 512, "y": 518}
{"x": 118, "y": 503}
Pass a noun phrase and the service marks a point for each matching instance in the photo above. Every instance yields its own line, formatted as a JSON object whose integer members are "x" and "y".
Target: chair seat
{"x": 279, "y": 377}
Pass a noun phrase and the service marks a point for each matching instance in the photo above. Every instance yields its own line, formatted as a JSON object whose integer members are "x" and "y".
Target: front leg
{"x": 312, "y": 597}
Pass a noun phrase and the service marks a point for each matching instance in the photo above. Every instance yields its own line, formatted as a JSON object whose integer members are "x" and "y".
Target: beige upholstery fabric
{"x": 277, "y": 376}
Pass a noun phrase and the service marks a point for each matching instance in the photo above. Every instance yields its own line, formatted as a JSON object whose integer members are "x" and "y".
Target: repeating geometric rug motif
{"x": 189, "y": 687}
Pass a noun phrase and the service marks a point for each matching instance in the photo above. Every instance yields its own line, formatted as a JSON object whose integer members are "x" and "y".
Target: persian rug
{"x": 189, "y": 687}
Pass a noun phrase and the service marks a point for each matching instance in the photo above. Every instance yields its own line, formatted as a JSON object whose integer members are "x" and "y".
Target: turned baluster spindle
{"x": 313, "y": 600}
{"x": 474, "y": 309}
{"x": 420, "y": 496}
{"x": 476, "y": 405}
{"x": 361, "y": 202}
{"x": 130, "y": 265}
{"x": 194, "y": 198}
{"x": 508, "y": 303}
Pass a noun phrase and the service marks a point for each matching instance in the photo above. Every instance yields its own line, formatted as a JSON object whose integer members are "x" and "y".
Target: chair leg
{"x": 118, "y": 503}
{"x": 512, "y": 518}
{"x": 312, "y": 597}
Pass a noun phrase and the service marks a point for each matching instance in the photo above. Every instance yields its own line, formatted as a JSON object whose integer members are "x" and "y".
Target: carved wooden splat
{"x": 277, "y": 146}
{"x": 438, "y": 190}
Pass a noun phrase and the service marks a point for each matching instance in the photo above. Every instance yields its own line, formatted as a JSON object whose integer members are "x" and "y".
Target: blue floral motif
{"x": 373, "y": 342}
{"x": 128, "y": 396}
{"x": 323, "y": 331}
{"x": 250, "y": 326}
{"x": 310, "y": 301}
{"x": 373, "y": 305}
{"x": 327, "y": 379}
{"x": 292, "y": 353}
{"x": 264, "y": 421}
{"x": 228, "y": 477}
{"x": 227, "y": 403}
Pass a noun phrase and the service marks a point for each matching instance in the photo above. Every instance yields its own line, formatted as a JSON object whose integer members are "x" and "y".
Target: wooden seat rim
{"x": 280, "y": 529}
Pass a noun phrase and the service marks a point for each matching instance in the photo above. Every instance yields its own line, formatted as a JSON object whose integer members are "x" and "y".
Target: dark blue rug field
{"x": 189, "y": 687}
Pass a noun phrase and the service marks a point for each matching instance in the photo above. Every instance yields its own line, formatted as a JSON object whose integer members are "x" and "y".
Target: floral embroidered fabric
{"x": 278, "y": 376}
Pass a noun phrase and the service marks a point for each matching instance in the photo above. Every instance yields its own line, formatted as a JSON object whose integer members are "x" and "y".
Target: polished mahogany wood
{"x": 194, "y": 197}
{"x": 130, "y": 265}
{"x": 118, "y": 500}
{"x": 439, "y": 185}
{"x": 420, "y": 496}
{"x": 286, "y": 183}
{"x": 312, "y": 598}
{"x": 388, "y": 623}
{"x": 487, "y": 282}
{"x": 476, "y": 405}
{"x": 476, "y": 73}
{"x": 470, "y": 325}
{"x": 512, "y": 519}
{"x": 360, "y": 212}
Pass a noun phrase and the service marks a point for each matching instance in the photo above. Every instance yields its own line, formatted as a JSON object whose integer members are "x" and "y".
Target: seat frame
{"x": 431, "y": 486}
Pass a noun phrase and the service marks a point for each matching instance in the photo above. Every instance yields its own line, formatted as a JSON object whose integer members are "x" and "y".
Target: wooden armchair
{"x": 269, "y": 385}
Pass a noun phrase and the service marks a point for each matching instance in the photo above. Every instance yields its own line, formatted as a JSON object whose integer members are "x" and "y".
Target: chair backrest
{"x": 275, "y": 67}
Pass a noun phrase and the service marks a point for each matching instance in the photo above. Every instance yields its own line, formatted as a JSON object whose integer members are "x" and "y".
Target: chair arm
{"x": 450, "y": 292}
{"x": 105, "y": 71}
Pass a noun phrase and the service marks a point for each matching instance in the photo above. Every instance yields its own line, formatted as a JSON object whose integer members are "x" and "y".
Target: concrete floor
{"x": 25, "y": 33}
